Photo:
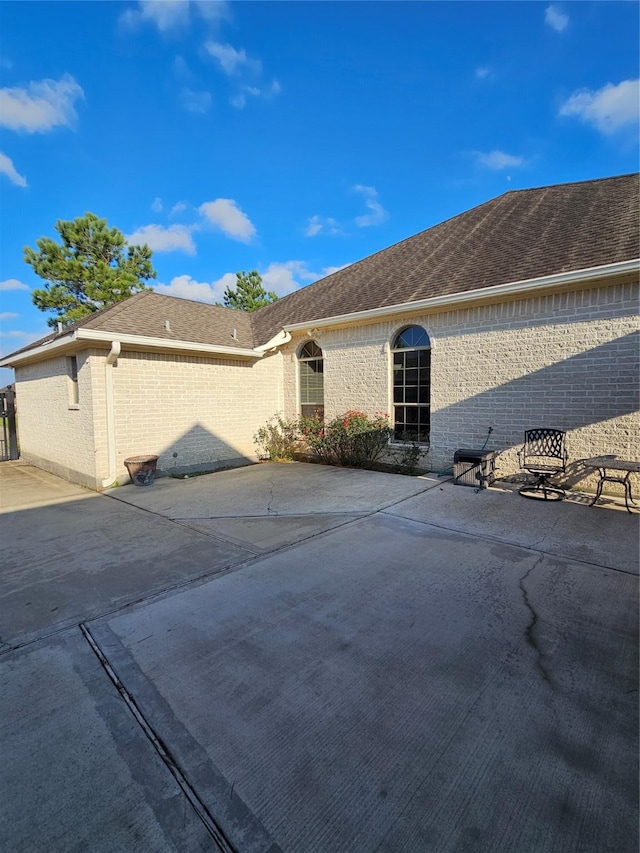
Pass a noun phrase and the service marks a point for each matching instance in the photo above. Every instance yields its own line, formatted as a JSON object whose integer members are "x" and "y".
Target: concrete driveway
{"x": 301, "y": 658}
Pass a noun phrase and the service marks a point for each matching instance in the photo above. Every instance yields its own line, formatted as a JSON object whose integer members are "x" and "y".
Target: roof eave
{"x": 80, "y": 337}
{"x": 510, "y": 289}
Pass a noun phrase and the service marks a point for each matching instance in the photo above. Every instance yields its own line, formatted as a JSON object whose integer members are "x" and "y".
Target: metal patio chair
{"x": 544, "y": 455}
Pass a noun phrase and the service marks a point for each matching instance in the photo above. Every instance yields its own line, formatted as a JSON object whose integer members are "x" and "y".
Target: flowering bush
{"x": 354, "y": 439}
{"x": 277, "y": 440}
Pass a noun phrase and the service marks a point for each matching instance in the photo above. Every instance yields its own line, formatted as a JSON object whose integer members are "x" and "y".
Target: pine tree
{"x": 249, "y": 294}
{"x": 91, "y": 268}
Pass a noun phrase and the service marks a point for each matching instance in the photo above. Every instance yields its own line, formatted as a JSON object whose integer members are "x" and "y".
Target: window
{"x": 311, "y": 366}
{"x": 72, "y": 374}
{"x": 411, "y": 353}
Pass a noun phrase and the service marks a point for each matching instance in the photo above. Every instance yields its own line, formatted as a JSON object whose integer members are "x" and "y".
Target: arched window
{"x": 411, "y": 353}
{"x": 311, "y": 371}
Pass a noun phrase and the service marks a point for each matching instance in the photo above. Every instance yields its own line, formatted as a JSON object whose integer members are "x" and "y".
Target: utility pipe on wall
{"x": 114, "y": 352}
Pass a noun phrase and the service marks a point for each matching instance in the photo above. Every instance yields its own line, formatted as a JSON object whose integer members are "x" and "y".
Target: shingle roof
{"x": 146, "y": 313}
{"x": 520, "y": 235}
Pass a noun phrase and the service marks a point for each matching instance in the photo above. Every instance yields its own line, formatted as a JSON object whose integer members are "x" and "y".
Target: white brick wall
{"x": 202, "y": 410}
{"x": 53, "y": 434}
{"x": 567, "y": 360}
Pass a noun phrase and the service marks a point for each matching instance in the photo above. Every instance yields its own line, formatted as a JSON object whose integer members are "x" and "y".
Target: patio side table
{"x": 611, "y": 469}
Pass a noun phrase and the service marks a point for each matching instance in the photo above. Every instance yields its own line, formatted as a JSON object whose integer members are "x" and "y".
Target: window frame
{"x": 73, "y": 388}
{"x": 312, "y": 357}
{"x": 422, "y": 388}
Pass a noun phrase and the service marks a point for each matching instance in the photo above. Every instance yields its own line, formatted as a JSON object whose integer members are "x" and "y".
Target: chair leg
{"x": 541, "y": 489}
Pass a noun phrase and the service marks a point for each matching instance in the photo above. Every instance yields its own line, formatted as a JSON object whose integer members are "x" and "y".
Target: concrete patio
{"x": 302, "y": 658}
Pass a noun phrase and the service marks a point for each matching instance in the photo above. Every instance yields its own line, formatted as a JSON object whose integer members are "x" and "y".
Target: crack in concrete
{"x": 271, "y": 498}
{"x": 531, "y": 627}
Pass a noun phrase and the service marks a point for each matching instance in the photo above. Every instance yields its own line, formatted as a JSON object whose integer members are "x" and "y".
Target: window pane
{"x": 413, "y": 336}
{"x": 310, "y": 350}
{"x": 411, "y": 384}
{"x": 313, "y": 410}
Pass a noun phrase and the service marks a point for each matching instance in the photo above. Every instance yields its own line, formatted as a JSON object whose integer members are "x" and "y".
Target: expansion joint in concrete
{"x": 218, "y": 836}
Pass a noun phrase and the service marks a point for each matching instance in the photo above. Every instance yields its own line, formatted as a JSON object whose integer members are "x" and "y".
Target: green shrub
{"x": 407, "y": 458}
{"x": 353, "y": 439}
{"x": 277, "y": 440}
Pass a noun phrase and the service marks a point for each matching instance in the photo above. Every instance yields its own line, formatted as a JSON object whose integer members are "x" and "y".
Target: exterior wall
{"x": 194, "y": 413}
{"x": 54, "y": 434}
{"x": 567, "y": 360}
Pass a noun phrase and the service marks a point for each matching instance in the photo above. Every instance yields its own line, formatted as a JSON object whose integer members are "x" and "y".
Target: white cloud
{"x": 195, "y": 102}
{"x": 240, "y": 99}
{"x": 174, "y": 238}
{"x": 607, "y": 109}
{"x": 377, "y": 215}
{"x": 157, "y": 205}
{"x": 330, "y": 270}
{"x": 321, "y": 225}
{"x": 173, "y": 15}
{"x": 498, "y": 160}
{"x": 555, "y": 18}
{"x": 284, "y": 278}
{"x": 18, "y": 334}
{"x": 482, "y": 72}
{"x": 289, "y": 276}
{"x": 8, "y": 315}
{"x": 177, "y": 208}
{"x": 41, "y": 106}
{"x": 213, "y": 11}
{"x": 13, "y": 284}
{"x": 186, "y": 287}
{"x": 231, "y": 60}
{"x": 7, "y": 168}
{"x": 166, "y": 15}
{"x": 225, "y": 214}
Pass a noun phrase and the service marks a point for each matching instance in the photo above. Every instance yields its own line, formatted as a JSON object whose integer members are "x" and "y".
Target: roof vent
{"x": 234, "y": 334}
{"x": 167, "y": 325}
{"x": 59, "y": 328}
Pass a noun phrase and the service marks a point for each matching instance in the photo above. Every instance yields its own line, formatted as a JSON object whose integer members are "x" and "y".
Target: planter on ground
{"x": 142, "y": 469}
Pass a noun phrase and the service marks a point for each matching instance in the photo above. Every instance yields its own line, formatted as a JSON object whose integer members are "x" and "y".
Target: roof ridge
{"x": 571, "y": 183}
{"x": 193, "y": 301}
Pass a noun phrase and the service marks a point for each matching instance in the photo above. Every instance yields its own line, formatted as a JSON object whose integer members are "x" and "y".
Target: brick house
{"x": 519, "y": 313}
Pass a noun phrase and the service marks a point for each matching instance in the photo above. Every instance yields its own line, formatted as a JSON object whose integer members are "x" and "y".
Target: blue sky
{"x": 294, "y": 137}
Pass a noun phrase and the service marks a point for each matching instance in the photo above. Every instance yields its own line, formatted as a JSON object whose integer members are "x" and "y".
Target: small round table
{"x": 614, "y": 470}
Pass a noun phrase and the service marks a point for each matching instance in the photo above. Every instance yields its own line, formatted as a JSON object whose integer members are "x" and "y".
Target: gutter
{"x": 283, "y": 337}
{"x": 76, "y": 338}
{"x": 526, "y": 286}
{"x": 111, "y": 418}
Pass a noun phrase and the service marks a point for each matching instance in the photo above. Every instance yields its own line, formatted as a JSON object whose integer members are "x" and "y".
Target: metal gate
{"x": 8, "y": 431}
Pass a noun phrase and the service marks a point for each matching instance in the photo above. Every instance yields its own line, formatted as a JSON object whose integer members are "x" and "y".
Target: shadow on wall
{"x": 196, "y": 450}
{"x": 593, "y": 387}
